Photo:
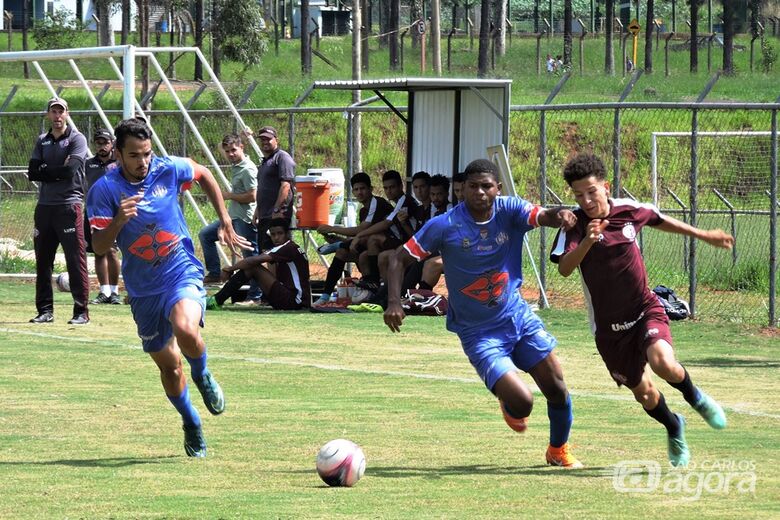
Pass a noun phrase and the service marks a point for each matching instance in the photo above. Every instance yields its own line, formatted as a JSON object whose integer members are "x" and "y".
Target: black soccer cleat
{"x": 44, "y": 317}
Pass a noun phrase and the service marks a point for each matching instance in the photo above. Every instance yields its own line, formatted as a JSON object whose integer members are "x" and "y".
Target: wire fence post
{"x": 773, "y": 322}
{"x": 694, "y": 182}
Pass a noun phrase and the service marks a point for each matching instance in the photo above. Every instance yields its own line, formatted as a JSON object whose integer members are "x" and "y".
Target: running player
{"x": 136, "y": 206}
{"x": 630, "y": 325}
{"x": 481, "y": 243}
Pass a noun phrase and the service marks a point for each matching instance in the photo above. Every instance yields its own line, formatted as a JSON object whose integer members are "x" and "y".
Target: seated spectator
{"x": 374, "y": 210}
{"x": 457, "y": 187}
{"x": 285, "y": 280}
{"x": 421, "y": 188}
{"x": 394, "y": 231}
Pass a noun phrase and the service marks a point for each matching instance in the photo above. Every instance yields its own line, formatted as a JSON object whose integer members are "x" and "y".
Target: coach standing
{"x": 57, "y": 163}
{"x": 275, "y": 183}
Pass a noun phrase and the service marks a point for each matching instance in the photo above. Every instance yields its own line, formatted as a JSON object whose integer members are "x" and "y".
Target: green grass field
{"x": 85, "y": 431}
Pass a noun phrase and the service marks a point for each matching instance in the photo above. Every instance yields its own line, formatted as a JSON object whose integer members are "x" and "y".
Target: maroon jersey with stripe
{"x": 292, "y": 269}
{"x": 613, "y": 271}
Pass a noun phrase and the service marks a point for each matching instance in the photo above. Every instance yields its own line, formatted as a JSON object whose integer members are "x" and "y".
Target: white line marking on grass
{"x": 360, "y": 370}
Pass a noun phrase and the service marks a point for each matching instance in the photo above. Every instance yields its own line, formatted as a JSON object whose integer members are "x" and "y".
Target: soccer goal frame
{"x": 654, "y": 148}
{"x": 131, "y": 107}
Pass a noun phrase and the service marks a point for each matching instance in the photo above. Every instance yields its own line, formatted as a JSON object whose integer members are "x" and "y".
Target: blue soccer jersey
{"x": 482, "y": 264}
{"x": 156, "y": 246}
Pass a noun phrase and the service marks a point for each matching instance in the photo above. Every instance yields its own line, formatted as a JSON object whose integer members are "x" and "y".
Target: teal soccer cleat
{"x": 677, "y": 448}
{"x": 711, "y": 411}
{"x": 194, "y": 442}
{"x": 212, "y": 394}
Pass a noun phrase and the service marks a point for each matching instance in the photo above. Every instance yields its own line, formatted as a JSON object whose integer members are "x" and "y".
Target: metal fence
{"x": 728, "y": 182}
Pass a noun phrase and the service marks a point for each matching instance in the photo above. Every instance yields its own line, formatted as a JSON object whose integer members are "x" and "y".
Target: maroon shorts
{"x": 625, "y": 352}
{"x": 282, "y": 298}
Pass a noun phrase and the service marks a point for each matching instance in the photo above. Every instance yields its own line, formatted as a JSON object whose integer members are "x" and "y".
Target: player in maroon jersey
{"x": 629, "y": 323}
{"x": 285, "y": 286}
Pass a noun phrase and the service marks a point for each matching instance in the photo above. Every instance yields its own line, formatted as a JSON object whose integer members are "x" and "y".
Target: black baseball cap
{"x": 267, "y": 131}
{"x": 56, "y": 101}
{"x": 102, "y": 133}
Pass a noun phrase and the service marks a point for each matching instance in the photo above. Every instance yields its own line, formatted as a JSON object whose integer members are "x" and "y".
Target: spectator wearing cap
{"x": 57, "y": 163}
{"x": 106, "y": 266}
{"x": 275, "y": 184}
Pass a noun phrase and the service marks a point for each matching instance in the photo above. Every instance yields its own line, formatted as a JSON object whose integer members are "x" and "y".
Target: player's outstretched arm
{"x": 557, "y": 218}
{"x": 714, "y": 237}
{"x": 394, "y": 314}
{"x": 210, "y": 187}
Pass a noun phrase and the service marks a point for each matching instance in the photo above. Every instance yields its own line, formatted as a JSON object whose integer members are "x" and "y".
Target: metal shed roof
{"x": 412, "y": 84}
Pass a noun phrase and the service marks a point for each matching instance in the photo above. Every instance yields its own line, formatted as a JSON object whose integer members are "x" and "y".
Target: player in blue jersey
{"x": 136, "y": 206}
{"x": 481, "y": 243}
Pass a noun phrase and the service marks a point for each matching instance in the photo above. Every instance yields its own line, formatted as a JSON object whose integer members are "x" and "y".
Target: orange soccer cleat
{"x": 562, "y": 457}
{"x": 518, "y": 425}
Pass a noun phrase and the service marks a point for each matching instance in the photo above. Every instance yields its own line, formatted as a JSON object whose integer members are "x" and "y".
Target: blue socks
{"x": 184, "y": 406}
{"x": 198, "y": 365}
{"x": 561, "y": 417}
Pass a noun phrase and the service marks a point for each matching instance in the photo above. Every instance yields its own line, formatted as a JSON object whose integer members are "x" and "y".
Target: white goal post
{"x": 654, "y": 148}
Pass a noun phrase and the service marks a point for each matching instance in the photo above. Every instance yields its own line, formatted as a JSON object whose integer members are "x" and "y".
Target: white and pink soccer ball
{"x": 341, "y": 463}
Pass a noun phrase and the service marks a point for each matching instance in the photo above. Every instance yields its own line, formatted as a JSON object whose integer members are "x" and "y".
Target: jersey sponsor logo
{"x": 69, "y": 230}
{"x": 617, "y": 327}
{"x": 154, "y": 245}
{"x": 64, "y": 143}
{"x": 159, "y": 191}
{"x": 629, "y": 231}
{"x": 483, "y": 233}
{"x": 489, "y": 288}
{"x": 651, "y": 333}
{"x": 466, "y": 243}
{"x": 501, "y": 238}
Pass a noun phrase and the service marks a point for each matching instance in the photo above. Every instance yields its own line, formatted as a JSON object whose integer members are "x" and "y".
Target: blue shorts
{"x": 498, "y": 353}
{"x": 151, "y": 312}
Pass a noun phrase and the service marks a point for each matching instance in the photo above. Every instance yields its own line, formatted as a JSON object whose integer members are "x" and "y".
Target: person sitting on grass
{"x": 374, "y": 210}
{"x": 630, "y": 325}
{"x": 285, "y": 280}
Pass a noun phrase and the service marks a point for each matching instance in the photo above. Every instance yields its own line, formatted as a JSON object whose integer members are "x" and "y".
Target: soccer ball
{"x": 341, "y": 463}
{"x": 63, "y": 282}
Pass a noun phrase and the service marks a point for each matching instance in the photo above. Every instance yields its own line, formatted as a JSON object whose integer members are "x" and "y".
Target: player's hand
{"x": 595, "y": 229}
{"x": 324, "y": 229}
{"x": 226, "y": 273}
{"x": 567, "y": 219}
{"x": 719, "y": 238}
{"x": 403, "y": 215}
{"x": 255, "y": 218}
{"x": 128, "y": 208}
{"x": 235, "y": 242}
{"x": 394, "y": 316}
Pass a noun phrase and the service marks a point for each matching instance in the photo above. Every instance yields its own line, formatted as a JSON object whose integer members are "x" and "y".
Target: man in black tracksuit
{"x": 57, "y": 163}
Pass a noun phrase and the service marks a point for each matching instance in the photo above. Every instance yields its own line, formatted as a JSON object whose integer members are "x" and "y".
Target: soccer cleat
{"x": 44, "y": 317}
{"x": 711, "y": 411}
{"x": 79, "y": 319}
{"x": 194, "y": 442}
{"x": 677, "y": 448}
{"x": 212, "y": 394}
{"x": 101, "y": 299}
{"x": 361, "y": 295}
{"x": 562, "y": 457}
{"x": 327, "y": 249}
{"x": 322, "y": 300}
{"x": 211, "y": 304}
{"x": 518, "y": 425}
{"x": 366, "y": 307}
{"x": 211, "y": 279}
{"x": 250, "y": 303}
{"x": 114, "y": 299}
{"x": 371, "y": 285}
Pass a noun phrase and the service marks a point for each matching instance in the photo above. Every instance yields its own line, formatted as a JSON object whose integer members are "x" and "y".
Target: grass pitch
{"x": 86, "y": 432}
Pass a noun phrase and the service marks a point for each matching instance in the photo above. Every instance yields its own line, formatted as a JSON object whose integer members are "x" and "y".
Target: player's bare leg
{"x": 661, "y": 358}
{"x": 654, "y": 405}
{"x": 174, "y": 383}
{"x": 548, "y": 376}
{"x": 185, "y": 318}
{"x": 516, "y": 400}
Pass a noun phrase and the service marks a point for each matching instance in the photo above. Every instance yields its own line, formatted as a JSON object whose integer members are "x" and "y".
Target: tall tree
{"x": 237, "y": 27}
{"x": 609, "y": 56}
{"x": 103, "y": 13}
{"x": 567, "y": 32}
{"x": 755, "y": 14}
{"x": 649, "y": 27}
{"x": 484, "y": 39}
{"x": 392, "y": 38}
{"x": 305, "y": 39}
{"x": 199, "y": 7}
{"x": 436, "y": 36}
{"x": 499, "y": 22}
{"x": 695, "y": 34}
{"x": 125, "y": 21}
{"x": 729, "y": 19}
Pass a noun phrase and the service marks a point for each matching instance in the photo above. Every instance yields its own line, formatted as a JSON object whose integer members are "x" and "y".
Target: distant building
{"x": 333, "y": 20}
{"x": 40, "y": 8}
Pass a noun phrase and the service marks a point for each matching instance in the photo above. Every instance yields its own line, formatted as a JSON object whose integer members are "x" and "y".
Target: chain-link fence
{"x": 706, "y": 164}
